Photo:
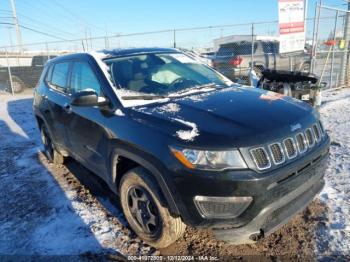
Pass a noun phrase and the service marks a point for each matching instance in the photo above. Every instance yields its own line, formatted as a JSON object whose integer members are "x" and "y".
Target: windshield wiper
{"x": 143, "y": 97}
{"x": 198, "y": 87}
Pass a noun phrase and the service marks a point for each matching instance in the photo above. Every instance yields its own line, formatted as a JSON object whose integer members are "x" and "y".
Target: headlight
{"x": 209, "y": 160}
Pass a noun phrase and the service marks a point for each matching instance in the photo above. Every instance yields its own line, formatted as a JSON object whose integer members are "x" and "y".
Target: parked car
{"x": 181, "y": 144}
{"x": 24, "y": 76}
{"x": 234, "y": 59}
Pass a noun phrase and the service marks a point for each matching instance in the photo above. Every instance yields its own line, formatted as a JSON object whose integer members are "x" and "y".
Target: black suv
{"x": 180, "y": 143}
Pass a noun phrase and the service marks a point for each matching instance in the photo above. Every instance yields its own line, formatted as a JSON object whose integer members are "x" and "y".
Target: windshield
{"x": 162, "y": 73}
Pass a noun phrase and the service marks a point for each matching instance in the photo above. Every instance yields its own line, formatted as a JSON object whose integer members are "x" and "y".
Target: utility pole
{"x": 18, "y": 32}
{"x": 344, "y": 60}
{"x": 10, "y": 37}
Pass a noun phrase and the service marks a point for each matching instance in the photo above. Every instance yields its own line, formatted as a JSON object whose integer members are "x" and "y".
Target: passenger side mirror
{"x": 88, "y": 98}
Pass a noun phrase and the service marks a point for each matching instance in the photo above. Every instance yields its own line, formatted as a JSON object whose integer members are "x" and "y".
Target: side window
{"x": 48, "y": 74}
{"x": 84, "y": 78}
{"x": 60, "y": 76}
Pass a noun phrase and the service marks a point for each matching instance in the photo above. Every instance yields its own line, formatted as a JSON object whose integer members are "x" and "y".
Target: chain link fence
{"x": 231, "y": 49}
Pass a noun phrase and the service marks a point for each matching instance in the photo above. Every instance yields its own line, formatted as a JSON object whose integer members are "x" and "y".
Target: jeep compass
{"x": 180, "y": 143}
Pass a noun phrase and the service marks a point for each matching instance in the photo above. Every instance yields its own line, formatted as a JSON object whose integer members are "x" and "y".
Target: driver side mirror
{"x": 88, "y": 98}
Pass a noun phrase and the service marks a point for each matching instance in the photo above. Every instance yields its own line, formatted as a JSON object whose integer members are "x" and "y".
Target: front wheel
{"x": 146, "y": 211}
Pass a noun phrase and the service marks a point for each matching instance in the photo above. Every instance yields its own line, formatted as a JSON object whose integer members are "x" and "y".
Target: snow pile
{"x": 187, "y": 135}
{"x": 333, "y": 237}
{"x": 119, "y": 112}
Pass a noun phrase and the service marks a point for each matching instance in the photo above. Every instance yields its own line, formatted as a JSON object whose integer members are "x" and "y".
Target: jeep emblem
{"x": 295, "y": 127}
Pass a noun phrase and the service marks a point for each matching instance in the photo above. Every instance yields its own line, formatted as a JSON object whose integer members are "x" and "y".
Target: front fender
{"x": 153, "y": 166}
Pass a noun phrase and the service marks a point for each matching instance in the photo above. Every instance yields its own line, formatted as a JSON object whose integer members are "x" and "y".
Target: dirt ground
{"x": 293, "y": 241}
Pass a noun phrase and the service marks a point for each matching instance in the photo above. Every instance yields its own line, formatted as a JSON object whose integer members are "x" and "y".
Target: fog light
{"x": 221, "y": 207}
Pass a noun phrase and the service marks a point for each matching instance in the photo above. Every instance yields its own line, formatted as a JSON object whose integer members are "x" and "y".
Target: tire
{"x": 52, "y": 155}
{"x": 17, "y": 84}
{"x": 305, "y": 68}
{"x": 146, "y": 211}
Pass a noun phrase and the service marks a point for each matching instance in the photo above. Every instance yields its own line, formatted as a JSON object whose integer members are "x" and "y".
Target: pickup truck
{"x": 23, "y": 76}
{"x": 234, "y": 59}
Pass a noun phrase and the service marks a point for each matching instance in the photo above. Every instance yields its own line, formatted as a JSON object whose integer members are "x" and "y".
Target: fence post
{"x": 334, "y": 36}
{"x": 106, "y": 43}
{"x": 344, "y": 60}
{"x": 252, "y": 54}
{"x": 174, "y": 38}
{"x": 9, "y": 71}
{"x": 47, "y": 51}
{"x": 315, "y": 37}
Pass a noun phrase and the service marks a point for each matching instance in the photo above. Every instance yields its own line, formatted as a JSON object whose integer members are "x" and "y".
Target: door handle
{"x": 67, "y": 108}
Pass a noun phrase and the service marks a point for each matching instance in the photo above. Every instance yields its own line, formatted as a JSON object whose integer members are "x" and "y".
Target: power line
{"x": 45, "y": 25}
{"x": 34, "y": 30}
{"x": 76, "y": 16}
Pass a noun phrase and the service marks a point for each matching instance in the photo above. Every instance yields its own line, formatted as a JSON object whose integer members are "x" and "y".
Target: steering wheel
{"x": 178, "y": 81}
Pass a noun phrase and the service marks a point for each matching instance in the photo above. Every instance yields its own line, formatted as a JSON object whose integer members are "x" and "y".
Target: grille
{"x": 309, "y": 137}
{"x": 290, "y": 147}
{"x": 277, "y": 153}
{"x": 316, "y": 132}
{"x": 261, "y": 158}
{"x": 321, "y": 127}
{"x": 281, "y": 151}
{"x": 301, "y": 142}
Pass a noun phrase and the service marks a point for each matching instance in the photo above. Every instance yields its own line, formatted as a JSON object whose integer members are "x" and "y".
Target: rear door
{"x": 57, "y": 99}
{"x": 85, "y": 132}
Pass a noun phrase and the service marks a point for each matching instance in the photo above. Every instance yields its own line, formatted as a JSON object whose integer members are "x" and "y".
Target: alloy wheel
{"x": 143, "y": 210}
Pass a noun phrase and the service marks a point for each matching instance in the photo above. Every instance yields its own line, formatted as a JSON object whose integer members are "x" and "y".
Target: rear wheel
{"x": 146, "y": 211}
{"x": 49, "y": 150}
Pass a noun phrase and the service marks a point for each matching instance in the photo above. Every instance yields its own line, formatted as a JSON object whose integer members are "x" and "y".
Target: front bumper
{"x": 274, "y": 215}
{"x": 277, "y": 194}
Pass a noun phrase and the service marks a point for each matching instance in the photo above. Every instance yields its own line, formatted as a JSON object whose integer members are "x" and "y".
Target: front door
{"x": 86, "y": 135}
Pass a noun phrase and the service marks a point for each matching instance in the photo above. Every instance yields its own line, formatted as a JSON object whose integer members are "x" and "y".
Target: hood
{"x": 230, "y": 117}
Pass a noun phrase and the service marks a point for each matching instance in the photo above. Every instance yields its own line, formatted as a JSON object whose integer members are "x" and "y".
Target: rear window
{"x": 60, "y": 75}
{"x": 235, "y": 49}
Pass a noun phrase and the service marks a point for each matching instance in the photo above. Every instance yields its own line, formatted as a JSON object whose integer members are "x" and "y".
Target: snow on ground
{"x": 333, "y": 237}
{"x": 44, "y": 211}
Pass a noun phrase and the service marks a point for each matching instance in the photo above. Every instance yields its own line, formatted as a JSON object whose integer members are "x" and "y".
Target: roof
{"x": 118, "y": 52}
{"x": 132, "y": 51}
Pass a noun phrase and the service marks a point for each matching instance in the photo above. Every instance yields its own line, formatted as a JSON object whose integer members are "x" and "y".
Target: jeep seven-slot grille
{"x": 316, "y": 132}
{"x": 277, "y": 153}
{"x": 321, "y": 127}
{"x": 290, "y": 147}
{"x": 301, "y": 143}
{"x": 261, "y": 158}
{"x": 309, "y": 137}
